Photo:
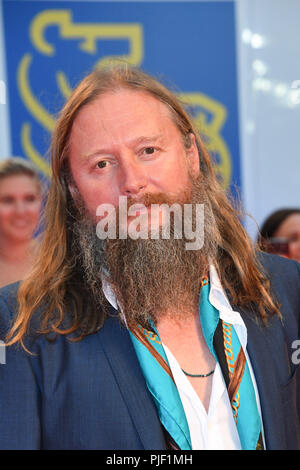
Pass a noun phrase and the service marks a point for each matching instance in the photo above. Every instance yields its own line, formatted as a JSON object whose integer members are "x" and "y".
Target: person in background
{"x": 280, "y": 233}
{"x": 20, "y": 206}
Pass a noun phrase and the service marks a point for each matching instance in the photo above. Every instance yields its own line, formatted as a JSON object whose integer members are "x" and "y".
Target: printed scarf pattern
{"x": 224, "y": 345}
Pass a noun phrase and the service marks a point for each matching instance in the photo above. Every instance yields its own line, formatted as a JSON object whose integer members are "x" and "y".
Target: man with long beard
{"x": 139, "y": 342}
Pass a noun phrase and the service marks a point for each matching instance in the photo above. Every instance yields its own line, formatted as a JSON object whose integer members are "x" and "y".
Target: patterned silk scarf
{"x": 224, "y": 345}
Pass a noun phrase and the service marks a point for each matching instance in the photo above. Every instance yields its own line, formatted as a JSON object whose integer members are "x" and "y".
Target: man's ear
{"x": 193, "y": 155}
{"x": 73, "y": 190}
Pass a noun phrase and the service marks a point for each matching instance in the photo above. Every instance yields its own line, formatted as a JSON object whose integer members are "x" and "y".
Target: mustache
{"x": 159, "y": 198}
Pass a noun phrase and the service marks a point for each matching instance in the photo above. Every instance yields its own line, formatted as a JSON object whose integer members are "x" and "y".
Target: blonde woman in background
{"x": 20, "y": 206}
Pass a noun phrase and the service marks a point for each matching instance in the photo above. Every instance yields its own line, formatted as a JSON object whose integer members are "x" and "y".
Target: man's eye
{"x": 102, "y": 164}
{"x": 149, "y": 150}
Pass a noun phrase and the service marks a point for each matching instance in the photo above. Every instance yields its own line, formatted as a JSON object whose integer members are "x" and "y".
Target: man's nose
{"x": 133, "y": 178}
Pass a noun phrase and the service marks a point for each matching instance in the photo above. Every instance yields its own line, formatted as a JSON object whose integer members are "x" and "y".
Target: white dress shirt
{"x": 215, "y": 429}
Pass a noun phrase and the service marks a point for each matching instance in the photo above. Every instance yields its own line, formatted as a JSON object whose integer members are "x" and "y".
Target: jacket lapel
{"x": 262, "y": 348}
{"x": 264, "y": 356}
{"x": 121, "y": 356}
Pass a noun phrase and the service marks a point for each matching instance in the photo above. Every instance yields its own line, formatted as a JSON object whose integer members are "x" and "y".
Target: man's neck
{"x": 186, "y": 342}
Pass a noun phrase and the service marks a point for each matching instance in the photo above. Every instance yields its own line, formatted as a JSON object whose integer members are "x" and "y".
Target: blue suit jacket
{"x": 92, "y": 394}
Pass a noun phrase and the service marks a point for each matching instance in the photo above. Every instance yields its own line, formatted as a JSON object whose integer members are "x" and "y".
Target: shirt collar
{"x": 109, "y": 293}
{"x": 217, "y": 298}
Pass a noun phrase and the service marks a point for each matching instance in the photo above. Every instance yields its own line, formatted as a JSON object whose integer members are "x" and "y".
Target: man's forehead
{"x": 114, "y": 114}
{"x": 110, "y": 107}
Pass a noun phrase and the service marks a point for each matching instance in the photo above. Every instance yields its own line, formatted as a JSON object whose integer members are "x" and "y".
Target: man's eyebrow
{"x": 135, "y": 142}
{"x": 148, "y": 139}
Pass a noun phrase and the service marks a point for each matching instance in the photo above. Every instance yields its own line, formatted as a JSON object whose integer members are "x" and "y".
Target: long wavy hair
{"x": 57, "y": 285}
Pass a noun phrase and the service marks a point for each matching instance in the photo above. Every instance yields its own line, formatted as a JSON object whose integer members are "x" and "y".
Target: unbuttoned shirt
{"x": 215, "y": 429}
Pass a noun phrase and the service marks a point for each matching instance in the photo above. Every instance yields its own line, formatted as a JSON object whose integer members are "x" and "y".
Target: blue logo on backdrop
{"x": 191, "y": 45}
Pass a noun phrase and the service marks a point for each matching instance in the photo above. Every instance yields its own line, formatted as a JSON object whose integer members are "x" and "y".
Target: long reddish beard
{"x": 150, "y": 277}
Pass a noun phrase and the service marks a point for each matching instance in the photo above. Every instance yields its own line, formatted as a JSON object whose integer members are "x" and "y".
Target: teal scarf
{"x": 154, "y": 364}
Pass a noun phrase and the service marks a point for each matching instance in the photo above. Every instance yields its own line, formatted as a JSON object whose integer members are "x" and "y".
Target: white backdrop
{"x": 268, "y": 36}
{"x": 268, "y": 40}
